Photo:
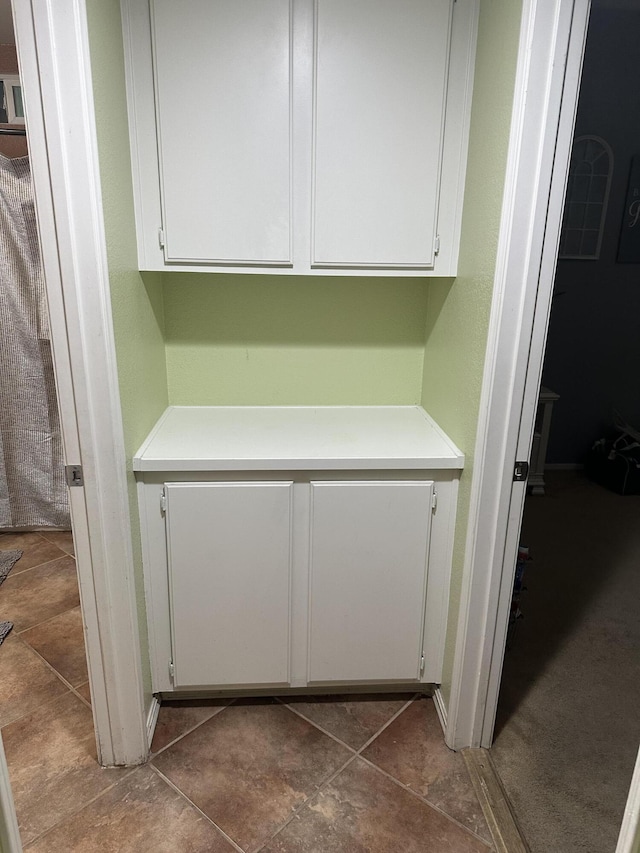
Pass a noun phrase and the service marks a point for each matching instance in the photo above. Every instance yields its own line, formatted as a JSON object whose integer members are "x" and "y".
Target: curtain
{"x": 33, "y": 492}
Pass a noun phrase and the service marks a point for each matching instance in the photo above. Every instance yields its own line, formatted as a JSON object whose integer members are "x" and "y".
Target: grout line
{"x": 50, "y": 619}
{"x": 125, "y": 773}
{"x": 316, "y": 725}
{"x": 425, "y": 801}
{"x": 307, "y": 800}
{"x": 152, "y": 755}
{"x": 197, "y": 808}
{"x": 76, "y": 690}
{"x": 388, "y": 723}
{"x": 335, "y": 737}
{"x": 49, "y": 665}
{"x": 47, "y": 701}
{"x": 12, "y": 575}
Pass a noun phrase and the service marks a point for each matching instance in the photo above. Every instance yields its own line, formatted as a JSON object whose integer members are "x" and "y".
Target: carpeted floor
{"x": 569, "y": 715}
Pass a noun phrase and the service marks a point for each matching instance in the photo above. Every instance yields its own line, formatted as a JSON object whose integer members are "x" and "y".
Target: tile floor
{"x": 339, "y": 774}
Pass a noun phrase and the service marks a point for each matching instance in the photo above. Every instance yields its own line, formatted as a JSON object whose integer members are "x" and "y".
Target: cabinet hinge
{"x": 161, "y": 237}
{"x": 73, "y": 475}
{"x": 520, "y": 472}
{"x": 434, "y": 501}
{"x": 172, "y": 670}
{"x": 163, "y": 501}
{"x": 422, "y": 665}
{"x": 436, "y": 245}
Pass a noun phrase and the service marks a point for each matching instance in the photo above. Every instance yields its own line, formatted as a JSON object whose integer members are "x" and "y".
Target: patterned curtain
{"x": 33, "y": 492}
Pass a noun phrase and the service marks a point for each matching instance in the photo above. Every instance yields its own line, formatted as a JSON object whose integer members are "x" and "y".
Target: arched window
{"x": 587, "y": 195}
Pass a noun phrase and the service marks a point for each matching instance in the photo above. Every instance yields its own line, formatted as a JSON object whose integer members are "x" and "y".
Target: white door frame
{"x": 547, "y": 84}
{"x": 53, "y": 52}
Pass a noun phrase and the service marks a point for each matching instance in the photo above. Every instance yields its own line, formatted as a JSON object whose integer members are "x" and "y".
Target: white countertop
{"x": 296, "y": 438}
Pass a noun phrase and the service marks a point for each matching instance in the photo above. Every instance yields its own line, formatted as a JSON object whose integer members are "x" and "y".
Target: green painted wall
{"x": 458, "y": 310}
{"x": 136, "y": 305}
{"x": 284, "y": 340}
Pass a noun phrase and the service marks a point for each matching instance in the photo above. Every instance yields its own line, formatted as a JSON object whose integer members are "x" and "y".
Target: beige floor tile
{"x": 60, "y": 641}
{"x": 51, "y": 756}
{"x": 413, "y": 751}
{"x": 354, "y": 719}
{"x": 177, "y": 718}
{"x": 29, "y": 598}
{"x": 363, "y": 811}
{"x": 141, "y": 814}
{"x": 250, "y": 766}
{"x": 35, "y": 549}
{"x": 85, "y": 691}
{"x": 62, "y": 538}
{"x": 26, "y": 683}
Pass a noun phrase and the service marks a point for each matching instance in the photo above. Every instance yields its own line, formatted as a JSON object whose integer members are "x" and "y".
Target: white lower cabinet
{"x": 368, "y": 572}
{"x": 264, "y": 570}
{"x": 229, "y": 570}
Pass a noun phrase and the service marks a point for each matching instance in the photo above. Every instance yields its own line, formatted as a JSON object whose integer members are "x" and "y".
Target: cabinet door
{"x": 380, "y": 75}
{"x": 222, "y": 72}
{"x": 369, "y": 546}
{"x": 229, "y": 557}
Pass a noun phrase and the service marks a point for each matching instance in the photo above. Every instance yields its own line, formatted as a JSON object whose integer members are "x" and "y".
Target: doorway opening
{"x": 567, "y": 726}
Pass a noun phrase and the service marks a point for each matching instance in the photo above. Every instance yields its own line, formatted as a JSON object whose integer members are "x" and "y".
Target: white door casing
{"x": 52, "y": 45}
{"x": 547, "y": 82}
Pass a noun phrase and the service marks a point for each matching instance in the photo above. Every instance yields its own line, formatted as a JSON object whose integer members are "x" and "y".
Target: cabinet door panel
{"x": 223, "y": 112}
{"x": 369, "y": 544}
{"x": 380, "y": 79}
{"x": 229, "y": 556}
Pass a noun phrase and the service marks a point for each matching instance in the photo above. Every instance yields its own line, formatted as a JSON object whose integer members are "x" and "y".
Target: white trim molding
{"x": 52, "y": 43}
{"x": 9, "y": 832}
{"x": 629, "y": 838}
{"x": 441, "y": 708}
{"x": 547, "y": 80}
{"x": 152, "y": 719}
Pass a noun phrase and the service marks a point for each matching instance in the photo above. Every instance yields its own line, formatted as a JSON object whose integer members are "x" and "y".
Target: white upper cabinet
{"x": 299, "y": 136}
{"x": 223, "y": 107}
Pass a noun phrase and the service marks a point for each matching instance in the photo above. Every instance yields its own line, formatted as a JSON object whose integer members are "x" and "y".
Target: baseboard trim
{"x": 441, "y": 708}
{"x": 152, "y": 719}
{"x": 506, "y": 834}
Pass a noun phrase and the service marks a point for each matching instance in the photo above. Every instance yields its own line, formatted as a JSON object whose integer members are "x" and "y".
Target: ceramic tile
{"x": 35, "y": 550}
{"x": 62, "y": 538}
{"x": 363, "y": 811}
{"x": 53, "y": 752}
{"x": 413, "y": 751}
{"x": 138, "y": 815}
{"x": 248, "y": 767}
{"x": 32, "y": 597}
{"x": 26, "y": 682}
{"x": 60, "y": 641}
{"x": 354, "y": 719}
{"x": 177, "y": 718}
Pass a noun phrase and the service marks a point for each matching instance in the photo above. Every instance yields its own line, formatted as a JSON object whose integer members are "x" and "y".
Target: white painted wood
{"x": 252, "y": 438}
{"x": 451, "y": 158}
{"x": 150, "y": 488}
{"x": 9, "y": 832}
{"x": 53, "y": 52}
{"x": 544, "y": 109}
{"x": 156, "y": 587}
{"x": 441, "y": 708}
{"x": 152, "y": 719}
{"x": 629, "y": 838}
{"x": 229, "y": 549}
{"x": 368, "y": 569}
{"x": 439, "y": 572}
{"x": 223, "y": 104}
{"x": 380, "y": 74}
